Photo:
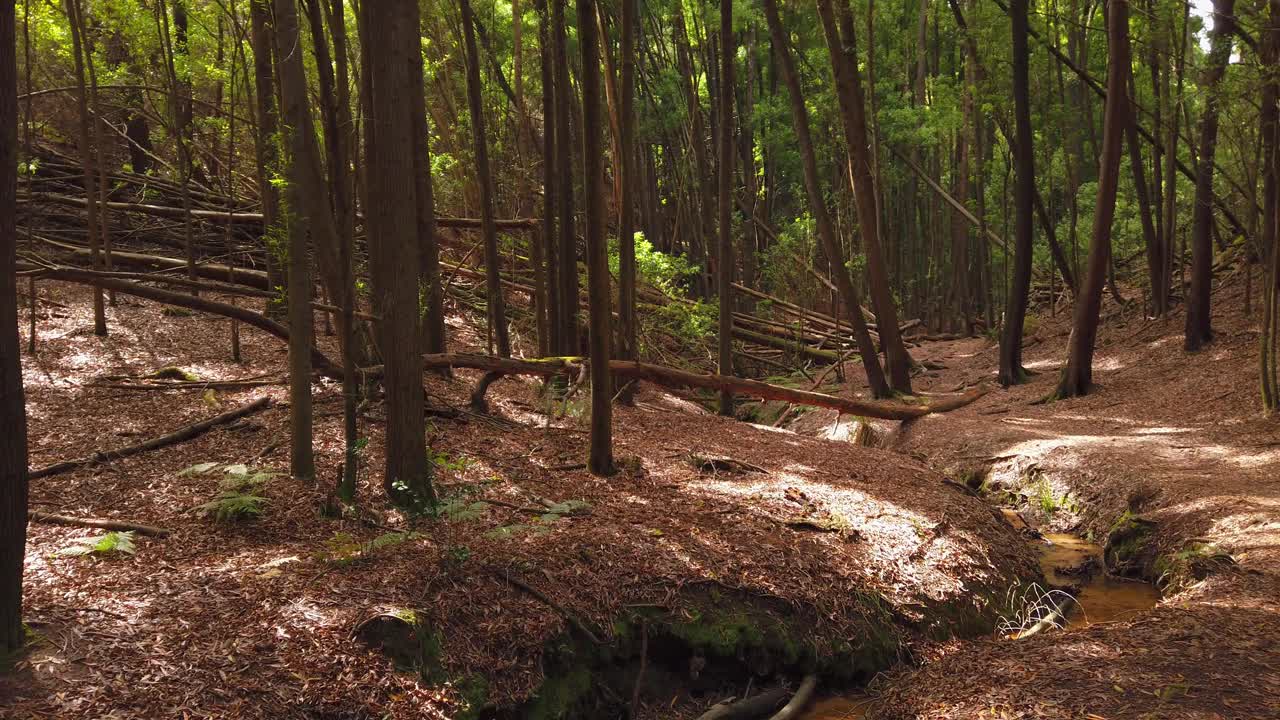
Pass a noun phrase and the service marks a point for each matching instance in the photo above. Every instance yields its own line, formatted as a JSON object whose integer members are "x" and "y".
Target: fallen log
{"x": 213, "y": 271}
{"x": 36, "y": 516}
{"x": 319, "y": 360}
{"x": 752, "y": 708}
{"x": 673, "y": 378}
{"x": 177, "y": 436}
{"x": 252, "y": 218}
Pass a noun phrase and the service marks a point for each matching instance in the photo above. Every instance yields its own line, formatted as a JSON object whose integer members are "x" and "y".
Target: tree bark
{"x": 724, "y": 258}
{"x": 549, "y": 291}
{"x": 299, "y": 222}
{"x": 1011, "y": 370}
{"x": 13, "y": 416}
{"x": 567, "y": 245}
{"x": 600, "y": 461}
{"x": 79, "y": 51}
{"x": 1077, "y": 377}
{"x": 818, "y": 206}
{"x": 393, "y": 243}
{"x": 625, "y": 166}
{"x": 492, "y": 260}
{"x": 844, "y": 62}
{"x": 264, "y": 141}
{"x": 1198, "y": 328}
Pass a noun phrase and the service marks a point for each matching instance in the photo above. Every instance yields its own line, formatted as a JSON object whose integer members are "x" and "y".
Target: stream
{"x": 1067, "y": 561}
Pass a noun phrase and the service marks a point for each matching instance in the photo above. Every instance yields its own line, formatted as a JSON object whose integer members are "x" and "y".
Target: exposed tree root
{"x": 54, "y": 519}
{"x": 177, "y": 436}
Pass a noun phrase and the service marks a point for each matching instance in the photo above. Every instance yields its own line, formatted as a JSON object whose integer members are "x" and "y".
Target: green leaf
{"x": 199, "y": 469}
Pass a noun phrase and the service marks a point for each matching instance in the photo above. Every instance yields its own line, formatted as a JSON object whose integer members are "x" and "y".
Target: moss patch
{"x": 1126, "y": 546}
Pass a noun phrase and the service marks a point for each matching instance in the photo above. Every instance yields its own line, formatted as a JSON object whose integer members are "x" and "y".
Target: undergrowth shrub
{"x": 238, "y": 497}
{"x": 108, "y": 544}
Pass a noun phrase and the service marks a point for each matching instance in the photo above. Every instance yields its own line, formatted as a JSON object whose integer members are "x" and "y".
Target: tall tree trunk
{"x": 1198, "y": 330}
{"x": 545, "y": 246}
{"x": 625, "y": 166}
{"x": 1077, "y": 377}
{"x": 434, "y": 334}
{"x": 393, "y": 244}
{"x": 265, "y": 142}
{"x": 79, "y": 51}
{"x": 724, "y": 258}
{"x": 818, "y": 205}
{"x": 298, "y": 222}
{"x": 1269, "y": 122}
{"x": 567, "y": 248}
{"x": 480, "y": 144}
{"x": 1151, "y": 241}
{"x": 13, "y": 416}
{"x": 844, "y": 62}
{"x": 1011, "y": 370}
{"x": 180, "y": 110}
{"x": 600, "y": 461}
{"x": 701, "y": 232}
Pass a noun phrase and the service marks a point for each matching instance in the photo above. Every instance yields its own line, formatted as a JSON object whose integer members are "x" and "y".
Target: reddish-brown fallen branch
{"x": 671, "y": 377}
{"x": 319, "y": 360}
{"x": 36, "y": 516}
{"x": 177, "y": 436}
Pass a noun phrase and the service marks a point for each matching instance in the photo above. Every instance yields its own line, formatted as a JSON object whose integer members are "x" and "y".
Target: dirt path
{"x": 1172, "y": 462}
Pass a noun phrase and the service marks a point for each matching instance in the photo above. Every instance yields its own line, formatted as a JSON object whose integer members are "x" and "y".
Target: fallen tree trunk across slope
{"x": 674, "y": 378}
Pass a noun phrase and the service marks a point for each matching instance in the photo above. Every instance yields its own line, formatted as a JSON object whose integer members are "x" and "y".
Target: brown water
{"x": 1102, "y": 598}
{"x": 837, "y": 708}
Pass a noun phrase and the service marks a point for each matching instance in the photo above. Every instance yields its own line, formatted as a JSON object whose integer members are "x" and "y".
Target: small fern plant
{"x": 238, "y": 498}
{"x": 108, "y": 544}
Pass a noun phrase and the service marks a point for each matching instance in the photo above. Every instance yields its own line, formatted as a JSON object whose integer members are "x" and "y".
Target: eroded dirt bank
{"x": 1171, "y": 465}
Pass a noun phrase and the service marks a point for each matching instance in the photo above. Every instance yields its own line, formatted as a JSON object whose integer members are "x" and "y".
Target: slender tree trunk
{"x": 625, "y": 166}
{"x": 434, "y": 334}
{"x": 393, "y": 245}
{"x": 1151, "y": 240}
{"x": 724, "y": 259}
{"x": 266, "y": 145}
{"x": 567, "y": 249}
{"x": 1270, "y": 240}
{"x": 844, "y": 61}
{"x": 702, "y": 165}
{"x": 1011, "y": 370}
{"x": 13, "y": 416}
{"x": 1198, "y": 329}
{"x": 300, "y": 142}
{"x": 181, "y": 114}
{"x": 548, "y": 316}
{"x": 79, "y": 51}
{"x": 1077, "y": 377}
{"x": 818, "y": 205}
{"x": 492, "y": 260}
{"x": 600, "y": 461}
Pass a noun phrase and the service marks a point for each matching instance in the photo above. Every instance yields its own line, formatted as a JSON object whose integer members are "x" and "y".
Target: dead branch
{"x": 177, "y": 436}
{"x": 36, "y": 516}
{"x": 798, "y": 701}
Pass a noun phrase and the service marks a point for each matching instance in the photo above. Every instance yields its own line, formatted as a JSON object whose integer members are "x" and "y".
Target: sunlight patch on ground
{"x": 1041, "y": 364}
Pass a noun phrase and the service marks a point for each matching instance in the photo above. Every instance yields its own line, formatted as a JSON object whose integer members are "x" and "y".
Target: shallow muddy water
{"x": 1070, "y": 560}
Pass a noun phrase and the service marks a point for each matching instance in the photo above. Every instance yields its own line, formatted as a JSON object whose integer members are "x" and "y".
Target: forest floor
{"x": 809, "y": 551}
{"x": 1170, "y": 462}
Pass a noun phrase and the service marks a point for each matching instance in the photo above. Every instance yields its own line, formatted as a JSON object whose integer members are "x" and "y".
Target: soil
{"x": 846, "y": 556}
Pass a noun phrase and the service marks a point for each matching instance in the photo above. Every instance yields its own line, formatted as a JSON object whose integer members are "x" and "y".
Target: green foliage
{"x": 238, "y": 498}
{"x": 174, "y": 372}
{"x": 108, "y": 544}
{"x": 669, "y": 273}
{"x": 344, "y": 549}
